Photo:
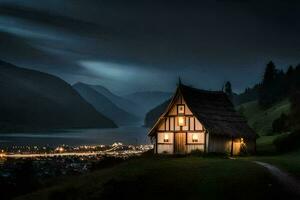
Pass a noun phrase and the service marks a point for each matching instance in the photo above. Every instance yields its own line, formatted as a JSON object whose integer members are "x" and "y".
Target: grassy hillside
{"x": 261, "y": 119}
{"x": 169, "y": 178}
{"x": 289, "y": 162}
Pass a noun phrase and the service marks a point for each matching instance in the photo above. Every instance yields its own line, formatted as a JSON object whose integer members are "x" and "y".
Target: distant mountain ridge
{"x": 123, "y": 103}
{"x": 148, "y": 99}
{"x": 155, "y": 113}
{"x": 93, "y": 95}
{"x": 33, "y": 100}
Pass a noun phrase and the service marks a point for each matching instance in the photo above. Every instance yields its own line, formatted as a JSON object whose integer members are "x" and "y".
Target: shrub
{"x": 288, "y": 142}
{"x": 244, "y": 151}
{"x": 197, "y": 152}
{"x": 281, "y": 124}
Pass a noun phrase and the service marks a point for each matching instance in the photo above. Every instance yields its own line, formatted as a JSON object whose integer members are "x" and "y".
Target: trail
{"x": 291, "y": 184}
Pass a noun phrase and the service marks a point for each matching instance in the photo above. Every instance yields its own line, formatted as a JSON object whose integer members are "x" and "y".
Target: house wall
{"x": 164, "y": 146}
{"x": 221, "y": 144}
{"x": 168, "y": 127}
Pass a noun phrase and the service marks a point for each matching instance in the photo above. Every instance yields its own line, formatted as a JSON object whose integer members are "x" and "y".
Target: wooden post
{"x": 156, "y": 143}
{"x": 205, "y": 141}
{"x": 231, "y": 152}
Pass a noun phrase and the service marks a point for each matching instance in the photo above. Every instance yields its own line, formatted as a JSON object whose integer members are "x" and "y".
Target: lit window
{"x": 181, "y": 121}
{"x": 180, "y": 109}
{"x": 242, "y": 140}
{"x": 166, "y": 137}
{"x": 195, "y": 137}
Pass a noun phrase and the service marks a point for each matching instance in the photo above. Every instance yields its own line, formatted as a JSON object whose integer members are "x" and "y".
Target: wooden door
{"x": 236, "y": 147}
{"x": 180, "y": 143}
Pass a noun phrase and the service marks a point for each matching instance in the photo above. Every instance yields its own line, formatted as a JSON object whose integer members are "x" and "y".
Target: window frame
{"x": 180, "y": 105}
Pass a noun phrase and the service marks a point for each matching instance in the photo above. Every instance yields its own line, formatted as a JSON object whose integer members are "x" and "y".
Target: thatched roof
{"x": 214, "y": 110}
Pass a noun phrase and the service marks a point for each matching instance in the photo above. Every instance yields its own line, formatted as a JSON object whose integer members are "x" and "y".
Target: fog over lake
{"x": 74, "y": 137}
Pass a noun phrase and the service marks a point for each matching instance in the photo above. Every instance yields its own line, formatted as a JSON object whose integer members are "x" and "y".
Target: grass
{"x": 169, "y": 178}
{"x": 261, "y": 119}
{"x": 289, "y": 162}
{"x": 189, "y": 177}
{"x": 265, "y": 145}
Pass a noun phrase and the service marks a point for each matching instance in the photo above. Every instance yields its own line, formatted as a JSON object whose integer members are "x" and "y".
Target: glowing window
{"x": 195, "y": 138}
{"x": 180, "y": 109}
{"x": 166, "y": 137}
{"x": 181, "y": 121}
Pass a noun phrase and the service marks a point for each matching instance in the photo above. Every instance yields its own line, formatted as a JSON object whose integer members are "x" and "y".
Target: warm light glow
{"x": 242, "y": 140}
{"x": 60, "y": 149}
{"x": 166, "y": 137}
{"x": 181, "y": 121}
{"x": 195, "y": 138}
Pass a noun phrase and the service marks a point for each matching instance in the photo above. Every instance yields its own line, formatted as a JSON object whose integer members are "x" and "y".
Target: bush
{"x": 288, "y": 142}
{"x": 197, "y": 152}
{"x": 244, "y": 150}
{"x": 281, "y": 124}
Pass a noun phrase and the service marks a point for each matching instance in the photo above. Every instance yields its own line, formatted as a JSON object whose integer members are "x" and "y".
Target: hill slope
{"x": 169, "y": 178}
{"x": 261, "y": 119}
{"x": 32, "y": 100}
{"x": 104, "y": 105}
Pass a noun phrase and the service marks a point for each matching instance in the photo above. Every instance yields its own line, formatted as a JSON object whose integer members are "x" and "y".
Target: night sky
{"x": 141, "y": 45}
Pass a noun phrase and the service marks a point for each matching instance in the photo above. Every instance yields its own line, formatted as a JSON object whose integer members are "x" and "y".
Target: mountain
{"x": 121, "y": 102}
{"x": 32, "y": 100}
{"x": 103, "y": 105}
{"x": 148, "y": 99}
{"x": 155, "y": 113}
{"x": 250, "y": 94}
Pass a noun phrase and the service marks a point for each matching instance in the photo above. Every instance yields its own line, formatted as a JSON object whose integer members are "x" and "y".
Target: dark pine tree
{"x": 268, "y": 92}
{"x": 295, "y": 110}
{"x": 228, "y": 90}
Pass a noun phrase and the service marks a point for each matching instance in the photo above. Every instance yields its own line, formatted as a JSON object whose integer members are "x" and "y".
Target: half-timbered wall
{"x": 193, "y": 129}
{"x": 196, "y": 138}
{"x": 165, "y": 141}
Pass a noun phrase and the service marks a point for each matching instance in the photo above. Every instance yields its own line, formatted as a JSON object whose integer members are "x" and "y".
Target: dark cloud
{"x": 142, "y": 45}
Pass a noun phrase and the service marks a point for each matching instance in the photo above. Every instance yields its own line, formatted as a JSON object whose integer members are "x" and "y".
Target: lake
{"x": 128, "y": 135}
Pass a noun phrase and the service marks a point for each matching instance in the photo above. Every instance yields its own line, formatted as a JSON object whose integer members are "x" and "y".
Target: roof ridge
{"x": 201, "y": 90}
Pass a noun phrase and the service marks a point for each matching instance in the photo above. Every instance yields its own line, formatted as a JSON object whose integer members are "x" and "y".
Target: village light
{"x": 181, "y": 121}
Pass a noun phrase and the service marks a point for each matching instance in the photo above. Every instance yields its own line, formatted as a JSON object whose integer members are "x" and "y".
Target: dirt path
{"x": 290, "y": 183}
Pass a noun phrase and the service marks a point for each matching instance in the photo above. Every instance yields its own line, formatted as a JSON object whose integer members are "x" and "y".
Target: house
{"x": 201, "y": 120}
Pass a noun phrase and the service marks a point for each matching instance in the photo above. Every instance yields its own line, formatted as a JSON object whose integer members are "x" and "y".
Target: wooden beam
{"x": 205, "y": 142}
{"x": 231, "y": 152}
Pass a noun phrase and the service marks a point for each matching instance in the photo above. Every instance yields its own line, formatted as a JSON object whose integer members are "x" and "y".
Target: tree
{"x": 270, "y": 90}
{"x": 281, "y": 124}
{"x": 270, "y": 73}
{"x": 295, "y": 110}
{"x": 228, "y": 90}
